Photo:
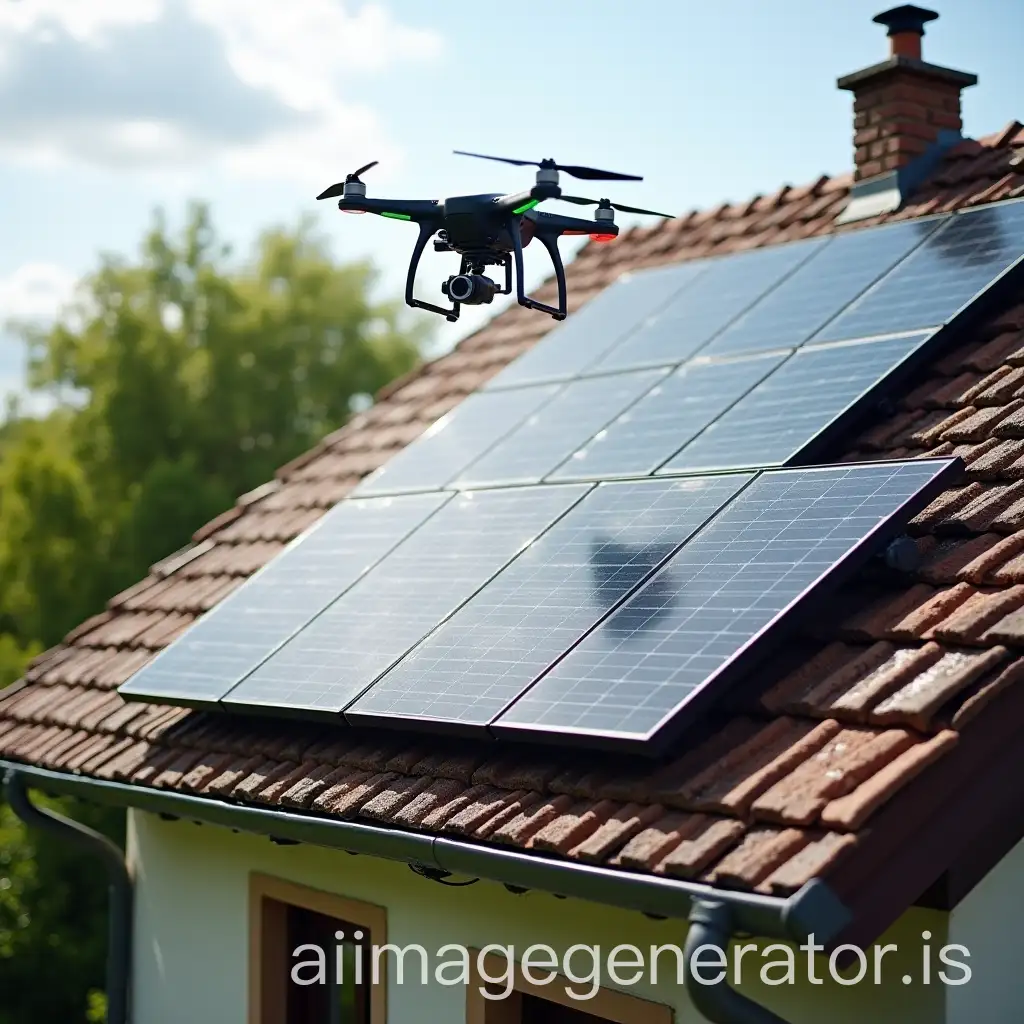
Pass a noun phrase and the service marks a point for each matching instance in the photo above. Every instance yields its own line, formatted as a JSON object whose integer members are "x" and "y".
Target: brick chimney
{"x": 906, "y": 115}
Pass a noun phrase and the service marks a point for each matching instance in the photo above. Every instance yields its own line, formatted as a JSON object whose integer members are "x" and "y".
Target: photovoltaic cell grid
{"x": 547, "y": 437}
{"x": 666, "y": 418}
{"x": 236, "y": 635}
{"x": 844, "y": 267}
{"x": 596, "y": 326}
{"x": 726, "y": 289}
{"x": 703, "y": 614}
{"x": 455, "y": 440}
{"x": 544, "y": 601}
{"x": 951, "y": 268}
{"x": 780, "y": 417}
{"x": 358, "y": 637}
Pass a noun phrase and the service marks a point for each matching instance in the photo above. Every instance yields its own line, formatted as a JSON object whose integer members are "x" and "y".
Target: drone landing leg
{"x": 551, "y": 245}
{"x": 426, "y": 232}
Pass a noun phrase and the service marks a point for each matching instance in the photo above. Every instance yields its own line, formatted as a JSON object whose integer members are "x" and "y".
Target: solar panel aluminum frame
{"x": 716, "y": 686}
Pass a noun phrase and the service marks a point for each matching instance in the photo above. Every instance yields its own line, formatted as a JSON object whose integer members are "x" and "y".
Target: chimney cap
{"x": 906, "y": 18}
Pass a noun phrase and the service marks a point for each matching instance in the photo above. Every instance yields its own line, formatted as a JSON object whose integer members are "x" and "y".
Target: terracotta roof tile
{"x": 851, "y": 811}
{"x": 815, "y": 860}
{"x": 921, "y": 697}
{"x": 849, "y": 757}
{"x": 760, "y": 853}
{"x": 569, "y": 830}
{"x": 735, "y": 781}
{"x": 702, "y": 842}
{"x": 616, "y": 831}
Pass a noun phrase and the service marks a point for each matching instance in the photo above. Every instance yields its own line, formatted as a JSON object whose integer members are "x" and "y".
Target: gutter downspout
{"x": 119, "y": 941}
{"x": 714, "y": 914}
{"x": 711, "y": 924}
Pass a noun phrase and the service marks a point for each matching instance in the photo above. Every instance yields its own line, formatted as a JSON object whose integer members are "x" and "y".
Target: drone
{"x": 492, "y": 230}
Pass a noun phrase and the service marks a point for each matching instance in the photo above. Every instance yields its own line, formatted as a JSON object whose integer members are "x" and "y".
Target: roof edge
{"x": 812, "y": 911}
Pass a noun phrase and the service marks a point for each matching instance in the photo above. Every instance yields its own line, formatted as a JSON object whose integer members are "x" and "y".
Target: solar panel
{"x": 689, "y": 321}
{"x": 571, "y": 418}
{"x": 455, "y": 440}
{"x": 786, "y": 413}
{"x": 704, "y": 617}
{"x": 237, "y": 634}
{"x": 598, "y": 325}
{"x": 951, "y": 268}
{"x": 337, "y": 655}
{"x": 483, "y": 657}
{"x": 665, "y": 419}
{"x": 820, "y": 288}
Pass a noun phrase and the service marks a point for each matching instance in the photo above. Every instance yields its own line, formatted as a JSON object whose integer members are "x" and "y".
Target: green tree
{"x": 177, "y": 381}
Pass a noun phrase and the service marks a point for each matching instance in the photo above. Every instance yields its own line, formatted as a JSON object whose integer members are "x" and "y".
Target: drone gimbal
{"x": 491, "y": 230}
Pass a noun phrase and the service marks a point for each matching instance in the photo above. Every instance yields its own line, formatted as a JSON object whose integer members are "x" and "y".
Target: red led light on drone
{"x": 599, "y": 236}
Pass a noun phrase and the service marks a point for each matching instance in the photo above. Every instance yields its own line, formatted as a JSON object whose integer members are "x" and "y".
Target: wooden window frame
{"x": 269, "y": 898}
{"x": 609, "y": 1004}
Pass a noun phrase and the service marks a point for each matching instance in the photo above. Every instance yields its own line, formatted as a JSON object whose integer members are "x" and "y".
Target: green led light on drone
{"x": 395, "y": 216}
{"x": 528, "y": 205}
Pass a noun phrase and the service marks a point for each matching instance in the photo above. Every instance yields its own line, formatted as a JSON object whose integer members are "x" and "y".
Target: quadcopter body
{"x": 490, "y": 230}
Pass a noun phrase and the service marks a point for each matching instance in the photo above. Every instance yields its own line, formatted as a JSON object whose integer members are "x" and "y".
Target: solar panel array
{"x": 237, "y": 634}
{"x": 357, "y": 637}
{"x": 727, "y": 288}
{"x": 452, "y": 597}
{"x": 475, "y": 664}
{"x": 549, "y": 436}
{"x": 711, "y": 604}
{"x": 788, "y": 410}
{"x": 594, "y": 328}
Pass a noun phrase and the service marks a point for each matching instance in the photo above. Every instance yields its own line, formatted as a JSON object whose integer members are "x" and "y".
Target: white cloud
{"x": 35, "y": 291}
{"x": 255, "y": 87}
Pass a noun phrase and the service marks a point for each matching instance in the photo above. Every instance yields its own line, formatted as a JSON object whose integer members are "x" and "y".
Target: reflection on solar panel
{"x": 672, "y": 414}
{"x": 572, "y": 417}
{"x": 820, "y": 288}
{"x": 405, "y": 596}
{"x": 544, "y": 601}
{"x": 784, "y": 414}
{"x": 598, "y": 325}
{"x": 233, "y": 638}
{"x": 726, "y": 289}
{"x": 454, "y": 441}
{"x": 705, "y": 614}
{"x": 949, "y": 270}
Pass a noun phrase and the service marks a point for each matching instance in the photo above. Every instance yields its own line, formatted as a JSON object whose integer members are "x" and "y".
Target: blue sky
{"x": 113, "y": 107}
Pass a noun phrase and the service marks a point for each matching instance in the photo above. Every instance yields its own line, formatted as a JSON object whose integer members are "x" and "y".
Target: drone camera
{"x": 470, "y": 289}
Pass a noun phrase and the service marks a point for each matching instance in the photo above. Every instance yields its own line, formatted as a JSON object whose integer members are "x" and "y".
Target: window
{"x": 284, "y": 917}
{"x": 549, "y": 1004}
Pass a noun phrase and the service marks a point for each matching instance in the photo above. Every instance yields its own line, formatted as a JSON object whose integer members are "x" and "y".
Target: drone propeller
{"x": 588, "y": 173}
{"x": 339, "y": 189}
{"x": 580, "y": 201}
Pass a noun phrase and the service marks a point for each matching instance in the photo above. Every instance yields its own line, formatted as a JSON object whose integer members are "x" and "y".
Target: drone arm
{"x": 427, "y": 229}
{"x": 519, "y": 202}
{"x": 556, "y": 224}
{"x": 423, "y": 211}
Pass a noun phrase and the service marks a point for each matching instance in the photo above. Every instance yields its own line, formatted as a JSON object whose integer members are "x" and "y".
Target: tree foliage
{"x": 176, "y": 381}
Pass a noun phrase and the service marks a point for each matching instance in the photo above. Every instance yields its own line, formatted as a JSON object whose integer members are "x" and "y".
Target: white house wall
{"x": 191, "y": 942}
{"x": 988, "y": 923}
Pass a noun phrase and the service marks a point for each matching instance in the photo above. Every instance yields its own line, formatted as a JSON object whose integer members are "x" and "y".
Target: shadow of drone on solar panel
{"x": 617, "y": 568}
